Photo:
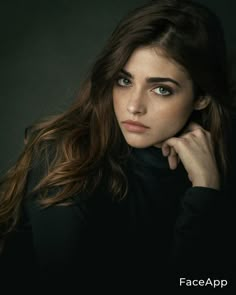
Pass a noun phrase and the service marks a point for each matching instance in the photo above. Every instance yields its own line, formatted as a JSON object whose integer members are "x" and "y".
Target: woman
{"x": 136, "y": 174}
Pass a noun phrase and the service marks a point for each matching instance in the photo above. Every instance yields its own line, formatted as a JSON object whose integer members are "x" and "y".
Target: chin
{"x": 140, "y": 144}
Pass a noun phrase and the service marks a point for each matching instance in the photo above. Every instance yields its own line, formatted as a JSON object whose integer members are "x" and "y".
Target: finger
{"x": 177, "y": 146}
{"x": 171, "y": 143}
{"x": 173, "y": 162}
{"x": 165, "y": 150}
{"x": 173, "y": 159}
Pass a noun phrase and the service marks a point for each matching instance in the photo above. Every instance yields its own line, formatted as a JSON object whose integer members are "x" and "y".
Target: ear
{"x": 202, "y": 102}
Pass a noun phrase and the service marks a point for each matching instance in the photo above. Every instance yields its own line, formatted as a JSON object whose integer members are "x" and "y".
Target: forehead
{"x": 151, "y": 62}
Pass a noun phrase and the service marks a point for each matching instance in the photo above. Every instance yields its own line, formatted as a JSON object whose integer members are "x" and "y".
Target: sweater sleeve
{"x": 202, "y": 235}
{"x": 58, "y": 232}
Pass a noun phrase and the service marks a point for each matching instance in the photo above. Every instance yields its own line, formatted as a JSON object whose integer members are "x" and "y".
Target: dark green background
{"x": 47, "y": 47}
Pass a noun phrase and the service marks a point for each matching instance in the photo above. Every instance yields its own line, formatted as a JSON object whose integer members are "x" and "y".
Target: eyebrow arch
{"x": 152, "y": 79}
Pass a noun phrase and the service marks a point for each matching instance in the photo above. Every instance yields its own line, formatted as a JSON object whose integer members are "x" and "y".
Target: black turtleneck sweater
{"x": 163, "y": 229}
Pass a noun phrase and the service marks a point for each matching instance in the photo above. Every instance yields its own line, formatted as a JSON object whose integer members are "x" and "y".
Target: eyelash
{"x": 165, "y": 89}
{"x": 121, "y": 78}
{"x": 170, "y": 91}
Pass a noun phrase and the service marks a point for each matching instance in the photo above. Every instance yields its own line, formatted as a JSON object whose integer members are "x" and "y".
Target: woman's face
{"x": 155, "y": 92}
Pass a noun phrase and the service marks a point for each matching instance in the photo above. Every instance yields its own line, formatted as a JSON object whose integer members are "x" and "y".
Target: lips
{"x": 134, "y": 126}
{"x": 134, "y": 123}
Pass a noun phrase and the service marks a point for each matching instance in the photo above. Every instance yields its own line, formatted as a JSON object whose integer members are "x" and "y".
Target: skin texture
{"x": 195, "y": 149}
{"x": 164, "y": 107}
{"x": 135, "y": 99}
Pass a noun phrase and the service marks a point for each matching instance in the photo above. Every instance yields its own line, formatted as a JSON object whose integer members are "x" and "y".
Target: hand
{"x": 194, "y": 148}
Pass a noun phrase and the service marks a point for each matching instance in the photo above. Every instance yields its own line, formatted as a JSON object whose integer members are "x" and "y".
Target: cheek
{"x": 115, "y": 103}
{"x": 174, "y": 115}
{"x": 118, "y": 103}
{"x": 180, "y": 111}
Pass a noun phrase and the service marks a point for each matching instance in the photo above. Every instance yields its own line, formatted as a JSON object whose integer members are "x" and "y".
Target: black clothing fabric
{"x": 162, "y": 230}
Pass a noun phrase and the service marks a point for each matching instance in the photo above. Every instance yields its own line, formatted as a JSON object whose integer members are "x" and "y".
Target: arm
{"x": 204, "y": 242}
{"x": 202, "y": 230}
{"x": 197, "y": 232}
{"x": 58, "y": 231}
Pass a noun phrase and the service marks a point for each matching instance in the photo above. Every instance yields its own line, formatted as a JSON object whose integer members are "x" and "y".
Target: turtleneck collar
{"x": 150, "y": 162}
{"x": 150, "y": 158}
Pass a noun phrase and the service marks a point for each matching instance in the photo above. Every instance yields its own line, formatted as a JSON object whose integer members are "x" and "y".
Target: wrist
{"x": 213, "y": 183}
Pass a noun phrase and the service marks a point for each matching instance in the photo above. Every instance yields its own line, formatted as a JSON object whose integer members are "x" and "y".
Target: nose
{"x": 136, "y": 103}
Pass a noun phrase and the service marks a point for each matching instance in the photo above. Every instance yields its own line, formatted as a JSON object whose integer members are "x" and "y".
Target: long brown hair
{"x": 86, "y": 140}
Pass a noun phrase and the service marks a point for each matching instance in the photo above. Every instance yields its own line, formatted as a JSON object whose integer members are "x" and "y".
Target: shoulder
{"x": 42, "y": 159}
{"x": 43, "y": 163}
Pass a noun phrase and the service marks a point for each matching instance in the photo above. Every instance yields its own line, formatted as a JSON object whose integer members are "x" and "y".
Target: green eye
{"x": 123, "y": 81}
{"x": 162, "y": 91}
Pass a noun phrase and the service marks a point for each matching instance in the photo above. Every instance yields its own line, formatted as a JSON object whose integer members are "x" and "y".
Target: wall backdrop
{"x": 46, "y": 49}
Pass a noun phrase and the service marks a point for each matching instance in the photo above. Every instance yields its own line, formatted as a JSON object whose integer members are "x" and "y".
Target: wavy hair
{"x": 87, "y": 142}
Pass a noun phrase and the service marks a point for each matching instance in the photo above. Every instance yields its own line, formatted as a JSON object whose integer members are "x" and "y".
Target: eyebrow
{"x": 153, "y": 79}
